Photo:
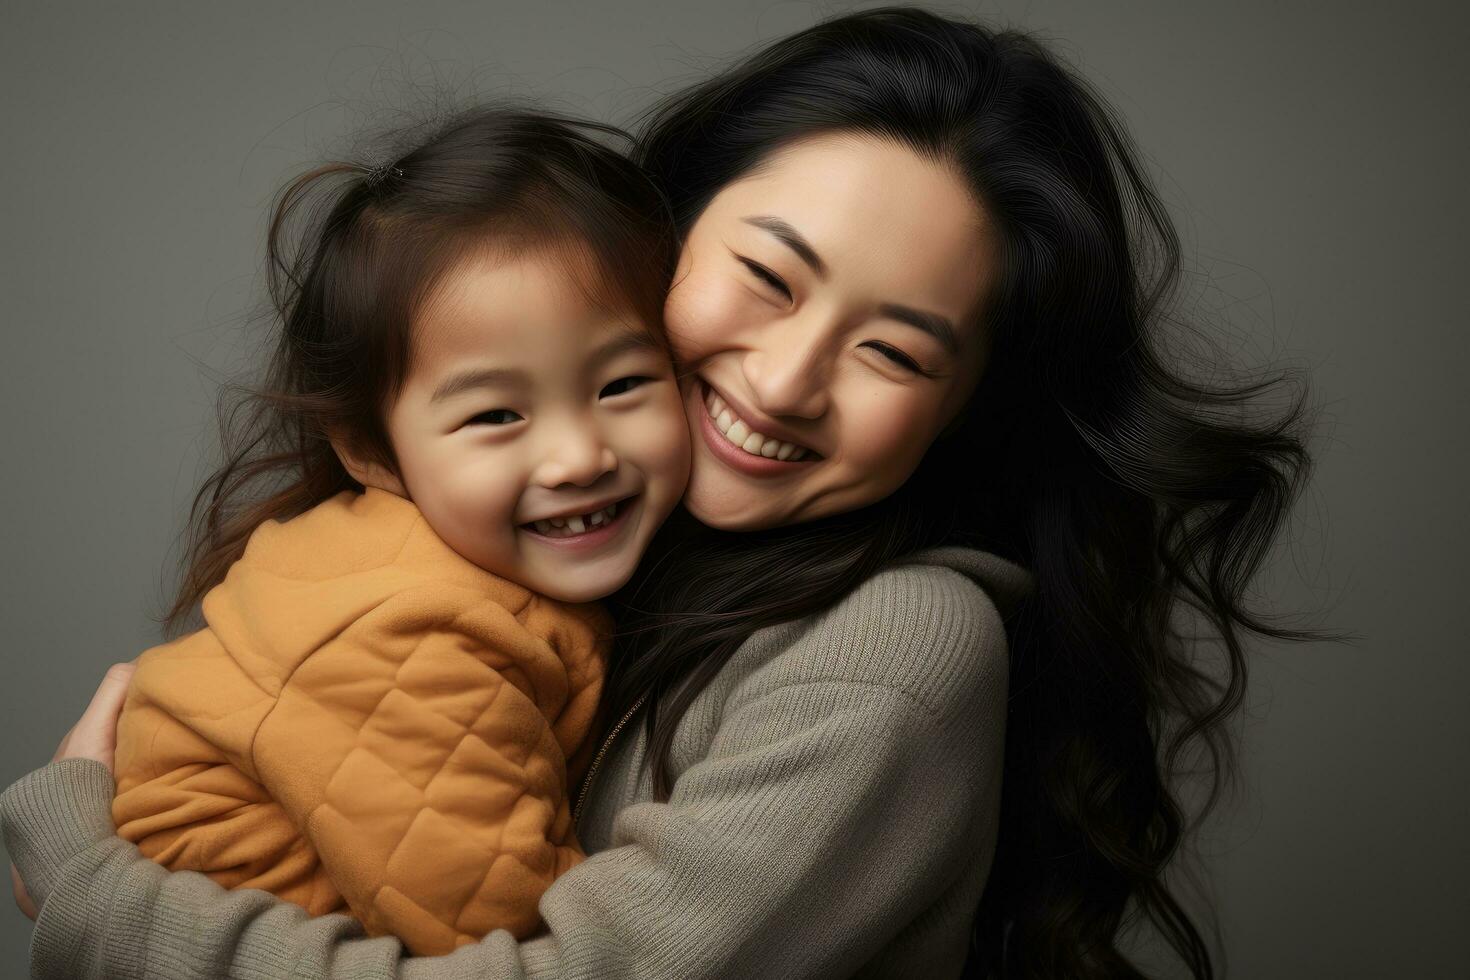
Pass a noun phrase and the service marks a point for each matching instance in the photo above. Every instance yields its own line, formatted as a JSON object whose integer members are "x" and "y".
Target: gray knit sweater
{"x": 834, "y": 815}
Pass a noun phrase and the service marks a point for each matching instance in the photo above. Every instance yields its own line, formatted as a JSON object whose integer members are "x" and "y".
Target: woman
{"x": 921, "y": 255}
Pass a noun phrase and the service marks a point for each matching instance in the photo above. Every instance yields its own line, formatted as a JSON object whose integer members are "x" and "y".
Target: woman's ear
{"x": 366, "y": 470}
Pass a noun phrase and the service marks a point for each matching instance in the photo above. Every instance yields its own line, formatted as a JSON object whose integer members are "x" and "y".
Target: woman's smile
{"x": 733, "y": 441}
{"x": 810, "y": 395}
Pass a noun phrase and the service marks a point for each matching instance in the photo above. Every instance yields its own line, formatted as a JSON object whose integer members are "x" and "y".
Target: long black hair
{"x": 1136, "y": 496}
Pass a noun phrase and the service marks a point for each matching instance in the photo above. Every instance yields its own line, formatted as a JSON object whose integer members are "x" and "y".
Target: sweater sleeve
{"x": 827, "y": 809}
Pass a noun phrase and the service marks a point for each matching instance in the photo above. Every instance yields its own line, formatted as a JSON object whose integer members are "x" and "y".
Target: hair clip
{"x": 377, "y": 175}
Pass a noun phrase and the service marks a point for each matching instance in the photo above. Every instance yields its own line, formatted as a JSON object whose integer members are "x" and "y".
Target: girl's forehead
{"x": 488, "y": 300}
{"x": 525, "y": 313}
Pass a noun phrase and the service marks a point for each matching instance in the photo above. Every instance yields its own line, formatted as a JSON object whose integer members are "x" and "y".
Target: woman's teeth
{"x": 737, "y": 433}
{"x": 566, "y": 527}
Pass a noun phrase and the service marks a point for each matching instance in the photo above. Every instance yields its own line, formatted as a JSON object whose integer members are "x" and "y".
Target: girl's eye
{"x": 768, "y": 277}
{"x": 896, "y": 356}
{"x": 622, "y": 385}
{"x": 497, "y": 416}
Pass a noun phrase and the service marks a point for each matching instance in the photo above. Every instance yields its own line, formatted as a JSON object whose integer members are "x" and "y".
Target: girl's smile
{"x": 586, "y": 530}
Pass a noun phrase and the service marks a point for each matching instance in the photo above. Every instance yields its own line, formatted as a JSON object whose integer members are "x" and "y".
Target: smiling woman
{"x": 807, "y": 329}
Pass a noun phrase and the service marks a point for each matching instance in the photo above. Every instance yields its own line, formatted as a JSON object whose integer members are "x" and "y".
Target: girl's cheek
{"x": 655, "y": 438}
{"x": 671, "y": 437}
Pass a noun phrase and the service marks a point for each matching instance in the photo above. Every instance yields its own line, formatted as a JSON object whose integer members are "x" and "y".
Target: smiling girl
{"x": 474, "y": 430}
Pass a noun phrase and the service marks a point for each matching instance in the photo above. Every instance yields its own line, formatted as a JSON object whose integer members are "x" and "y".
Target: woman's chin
{"x": 728, "y": 508}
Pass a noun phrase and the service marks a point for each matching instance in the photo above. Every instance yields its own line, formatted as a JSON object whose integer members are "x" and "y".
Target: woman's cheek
{"x": 886, "y": 437}
{"x": 699, "y": 311}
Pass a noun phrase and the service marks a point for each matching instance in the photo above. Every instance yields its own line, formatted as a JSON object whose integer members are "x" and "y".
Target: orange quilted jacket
{"x": 369, "y": 723}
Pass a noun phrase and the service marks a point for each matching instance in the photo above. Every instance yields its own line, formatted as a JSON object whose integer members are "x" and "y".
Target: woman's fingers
{"x": 22, "y": 897}
{"x": 94, "y": 736}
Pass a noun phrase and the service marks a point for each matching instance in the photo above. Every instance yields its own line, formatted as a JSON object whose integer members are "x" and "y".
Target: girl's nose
{"x": 577, "y": 456}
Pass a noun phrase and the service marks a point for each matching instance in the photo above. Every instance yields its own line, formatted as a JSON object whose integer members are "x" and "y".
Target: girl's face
{"x": 528, "y": 411}
{"x": 825, "y": 308}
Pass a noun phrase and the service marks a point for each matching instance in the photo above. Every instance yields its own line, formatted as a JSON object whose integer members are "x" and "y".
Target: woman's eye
{"x": 768, "y": 277}
{"x": 497, "y": 416}
{"x": 622, "y": 385}
{"x": 896, "y": 356}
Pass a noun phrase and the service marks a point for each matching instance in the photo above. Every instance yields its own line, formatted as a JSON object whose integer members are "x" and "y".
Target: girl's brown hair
{"x": 353, "y": 252}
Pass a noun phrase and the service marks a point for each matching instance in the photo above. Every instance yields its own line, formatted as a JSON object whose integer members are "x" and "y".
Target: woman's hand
{"x": 94, "y": 736}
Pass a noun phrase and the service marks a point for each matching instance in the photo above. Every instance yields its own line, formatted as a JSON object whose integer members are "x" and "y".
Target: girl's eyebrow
{"x": 474, "y": 378}
{"x": 487, "y": 377}
{"x": 937, "y": 326}
{"x": 625, "y": 340}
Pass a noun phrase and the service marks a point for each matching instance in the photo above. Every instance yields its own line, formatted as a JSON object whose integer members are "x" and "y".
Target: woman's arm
{"x": 828, "y": 810}
{"x": 94, "y": 736}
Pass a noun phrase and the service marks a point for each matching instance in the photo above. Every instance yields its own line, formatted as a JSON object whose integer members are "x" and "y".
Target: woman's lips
{"x": 733, "y": 456}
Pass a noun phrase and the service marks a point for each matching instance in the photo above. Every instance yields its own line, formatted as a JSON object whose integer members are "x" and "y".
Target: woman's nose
{"x": 577, "y": 455}
{"x": 787, "y": 379}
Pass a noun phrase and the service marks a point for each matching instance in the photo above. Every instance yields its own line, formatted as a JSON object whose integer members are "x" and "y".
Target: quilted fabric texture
{"x": 371, "y": 724}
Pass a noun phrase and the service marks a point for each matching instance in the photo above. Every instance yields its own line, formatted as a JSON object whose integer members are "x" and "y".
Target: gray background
{"x": 1313, "y": 154}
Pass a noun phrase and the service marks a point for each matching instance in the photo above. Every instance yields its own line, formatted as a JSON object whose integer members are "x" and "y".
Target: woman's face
{"x": 824, "y": 312}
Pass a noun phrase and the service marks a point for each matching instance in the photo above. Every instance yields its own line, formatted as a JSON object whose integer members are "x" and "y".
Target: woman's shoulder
{"x": 950, "y": 584}
{"x": 929, "y": 626}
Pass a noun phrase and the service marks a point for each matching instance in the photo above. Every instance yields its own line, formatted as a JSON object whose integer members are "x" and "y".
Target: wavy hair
{"x": 1136, "y": 496}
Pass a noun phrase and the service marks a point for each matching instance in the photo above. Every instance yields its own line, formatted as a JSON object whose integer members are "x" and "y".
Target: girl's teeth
{"x": 565, "y": 527}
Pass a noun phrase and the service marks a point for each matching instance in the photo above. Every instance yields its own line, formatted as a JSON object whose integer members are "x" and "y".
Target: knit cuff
{"x": 50, "y": 815}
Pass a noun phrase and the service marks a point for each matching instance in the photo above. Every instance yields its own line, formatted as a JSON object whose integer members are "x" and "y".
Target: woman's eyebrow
{"x": 791, "y": 238}
{"x": 937, "y": 326}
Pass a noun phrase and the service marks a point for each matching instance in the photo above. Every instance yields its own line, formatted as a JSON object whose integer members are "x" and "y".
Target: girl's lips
{"x": 733, "y": 456}
{"x": 595, "y": 537}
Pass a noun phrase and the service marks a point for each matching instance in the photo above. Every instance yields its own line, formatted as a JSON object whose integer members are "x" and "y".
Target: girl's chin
{"x": 566, "y": 582}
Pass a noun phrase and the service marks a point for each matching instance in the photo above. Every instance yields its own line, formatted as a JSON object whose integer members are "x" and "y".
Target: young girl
{"x": 476, "y": 421}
